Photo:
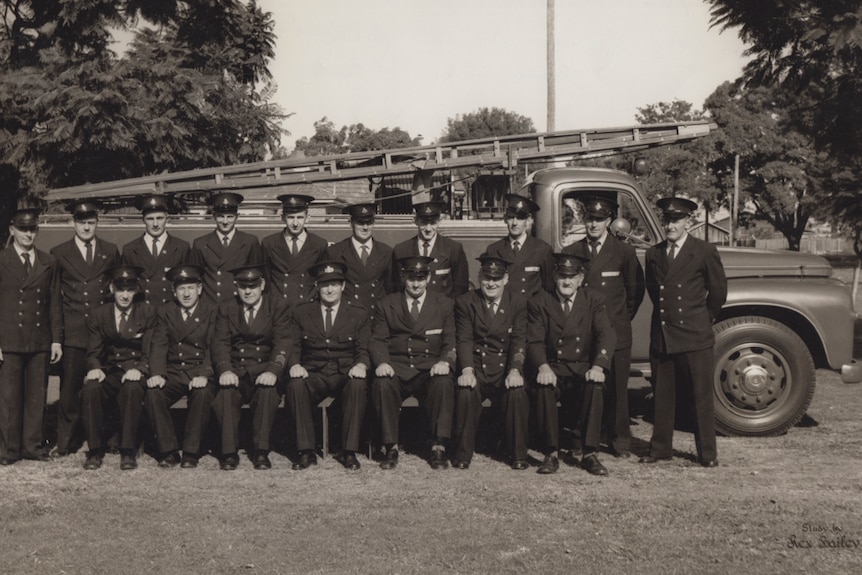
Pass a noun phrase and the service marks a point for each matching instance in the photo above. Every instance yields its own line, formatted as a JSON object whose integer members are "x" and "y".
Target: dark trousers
{"x": 302, "y": 398}
{"x": 694, "y": 369}
{"x": 582, "y": 406}
{"x": 23, "y": 387}
{"x": 616, "y": 417}
{"x": 159, "y": 401}
{"x": 70, "y": 433}
{"x": 436, "y": 394}
{"x": 511, "y": 408}
{"x": 263, "y": 402}
{"x": 97, "y": 397}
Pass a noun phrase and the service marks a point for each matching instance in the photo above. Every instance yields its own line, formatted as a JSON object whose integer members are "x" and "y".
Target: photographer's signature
{"x": 818, "y": 536}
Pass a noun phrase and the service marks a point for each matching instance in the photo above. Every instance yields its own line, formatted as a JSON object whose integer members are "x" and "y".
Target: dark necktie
{"x": 294, "y": 245}
{"x": 186, "y": 315}
{"x": 425, "y": 248}
{"x": 672, "y": 253}
{"x": 89, "y": 258}
{"x": 249, "y": 314}
{"x": 492, "y": 307}
{"x": 363, "y": 257}
{"x": 124, "y": 321}
{"x": 27, "y": 265}
{"x": 414, "y": 309}
{"x": 327, "y": 322}
{"x": 516, "y": 247}
{"x": 225, "y": 241}
{"x": 594, "y": 248}
{"x": 155, "y": 247}
{"x": 567, "y": 306}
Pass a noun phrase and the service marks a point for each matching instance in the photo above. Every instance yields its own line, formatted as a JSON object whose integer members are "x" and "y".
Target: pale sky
{"x": 413, "y": 64}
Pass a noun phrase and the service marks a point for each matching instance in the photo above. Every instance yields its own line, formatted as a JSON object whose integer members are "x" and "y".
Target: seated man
{"x": 180, "y": 365}
{"x": 118, "y": 364}
{"x": 329, "y": 356}
{"x": 249, "y": 351}
{"x": 491, "y": 328}
{"x": 570, "y": 339}
{"x": 413, "y": 347}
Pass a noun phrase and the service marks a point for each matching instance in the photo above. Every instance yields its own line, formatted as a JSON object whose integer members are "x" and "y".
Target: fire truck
{"x": 784, "y": 317}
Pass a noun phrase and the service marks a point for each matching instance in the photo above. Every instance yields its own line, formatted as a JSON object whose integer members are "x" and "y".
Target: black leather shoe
{"x": 438, "y": 459}
{"x": 43, "y": 457}
{"x": 519, "y": 465}
{"x": 591, "y": 464}
{"x": 622, "y": 453}
{"x": 709, "y": 462}
{"x": 550, "y": 465}
{"x": 94, "y": 461}
{"x": 390, "y": 460}
{"x": 306, "y": 459}
{"x": 261, "y": 460}
{"x": 229, "y": 462}
{"x": 172, "y": 459}
{"x": 128, "y": 461}
{"x": 58, "y": 453}
{"x": 7, "y": 460}
{"x": 189, "y": 461}
{"x": 349, "y": 461}
{"x": 460, "y": 464}
{"x": 651, "y": 459}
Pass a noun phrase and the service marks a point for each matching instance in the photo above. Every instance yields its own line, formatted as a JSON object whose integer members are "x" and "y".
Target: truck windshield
{"x": 572, "y": 218}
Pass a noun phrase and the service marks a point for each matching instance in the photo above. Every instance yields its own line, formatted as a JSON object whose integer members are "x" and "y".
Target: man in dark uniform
{"x": 687, "y": 285}
{"x": 249, "y": 352}
{"x": 180, "y": 365}
{"x": 328, "y": 356}
{"x": 224, "y": 248}
{"x": 413, "y": 349}
{"x": 290, "y": 253}
{"x": 117, "y": 366}
{"x": 156, "y": 251}
{"x": 369, "y": 262}
{"x": 448, "y": 268}
{"x": 31, "y": 337}
{"x": 532, "y": 259}
{"x": 615, "y": 272}
{"x": 491, "y": 328}
{"x": 82, "y": 263}
{"x": 571, "y": 340}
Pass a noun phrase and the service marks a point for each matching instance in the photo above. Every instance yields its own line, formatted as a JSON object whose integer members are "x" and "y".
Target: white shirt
{"x": 599, "y": 242}
{"x": 334, "y": 309}
{"x": 82, "y": 246}
{"x": 229, "y": 236}
{"x": 187, "y": 313}
{"x": 160, "y": 242}
{"x": 300, "y": 241}
{"x": 678, "y": 243}
{"x": 521, "y": 239}
{"x": 420, "y": 299}
{"x": 358, "y": 246}
{"x": 118, "y": 314}
{"x": 431, "y": 244}
{"x": 21, "y": 253}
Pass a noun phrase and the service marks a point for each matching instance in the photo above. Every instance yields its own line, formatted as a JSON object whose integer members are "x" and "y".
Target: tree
{"x": 355, "y": 138}
{"x": 192, "y": 90}
{"x": 484, "y": 123}
{"x": 781, "y": 171}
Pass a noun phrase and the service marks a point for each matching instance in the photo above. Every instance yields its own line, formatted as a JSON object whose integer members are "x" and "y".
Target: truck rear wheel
{"x": 764, "y": 377}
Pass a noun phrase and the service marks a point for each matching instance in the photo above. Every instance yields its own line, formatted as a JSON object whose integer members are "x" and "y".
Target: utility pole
{"x": 552, "y": 103}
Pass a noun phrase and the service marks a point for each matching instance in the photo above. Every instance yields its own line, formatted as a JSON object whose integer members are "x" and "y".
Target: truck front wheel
{"x": 764, "y": 377}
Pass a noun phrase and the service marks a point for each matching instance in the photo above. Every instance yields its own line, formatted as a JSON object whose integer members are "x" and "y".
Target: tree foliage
{"x": 192, "y": 89}
{"x": 484, "y": 123}
{"x": 355, "y": 138}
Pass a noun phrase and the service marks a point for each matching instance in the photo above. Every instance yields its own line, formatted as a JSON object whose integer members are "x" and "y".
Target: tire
{"x": 763, "y": 377}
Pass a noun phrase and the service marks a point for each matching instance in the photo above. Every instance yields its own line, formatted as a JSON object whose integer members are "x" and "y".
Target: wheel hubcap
{"x": 753, "y": 378}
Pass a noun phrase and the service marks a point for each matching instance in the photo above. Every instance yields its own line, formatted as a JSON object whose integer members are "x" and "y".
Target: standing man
{"x": 31, "y": 337}
{"x": 328, "y": 356}
{"x": 614, "y": 271}
{"x": 491, "y": 328}
{"x": 289, "y": 254}
{"x": 532, "y": 259}
{"x": 368, "y": 277}
{"x": 687, "y": 285}
{"x": 82, "y": 264}
{"x": 570, "y": 339}
{"x": 413, "y": 349}
{"x": 180, "y": 365}
{"x": 156, "y": 251}
{"x": 117, "y": 366}
{"x": 448, "y": 267}
{"x": 224, "y": 248}
{"x": 250, "y": 348}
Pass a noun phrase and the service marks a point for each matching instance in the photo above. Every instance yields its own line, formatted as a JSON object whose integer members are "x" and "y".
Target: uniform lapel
{"x": 681, "y": 259}
{"x": 39, "y": 268}
{"x": 13, "y": 263}
{"x": 215, "y": 246}
{"x": 75, "y": 260}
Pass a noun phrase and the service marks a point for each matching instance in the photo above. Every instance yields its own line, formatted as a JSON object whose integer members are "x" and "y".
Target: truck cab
{"x": 784, "y": 315}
